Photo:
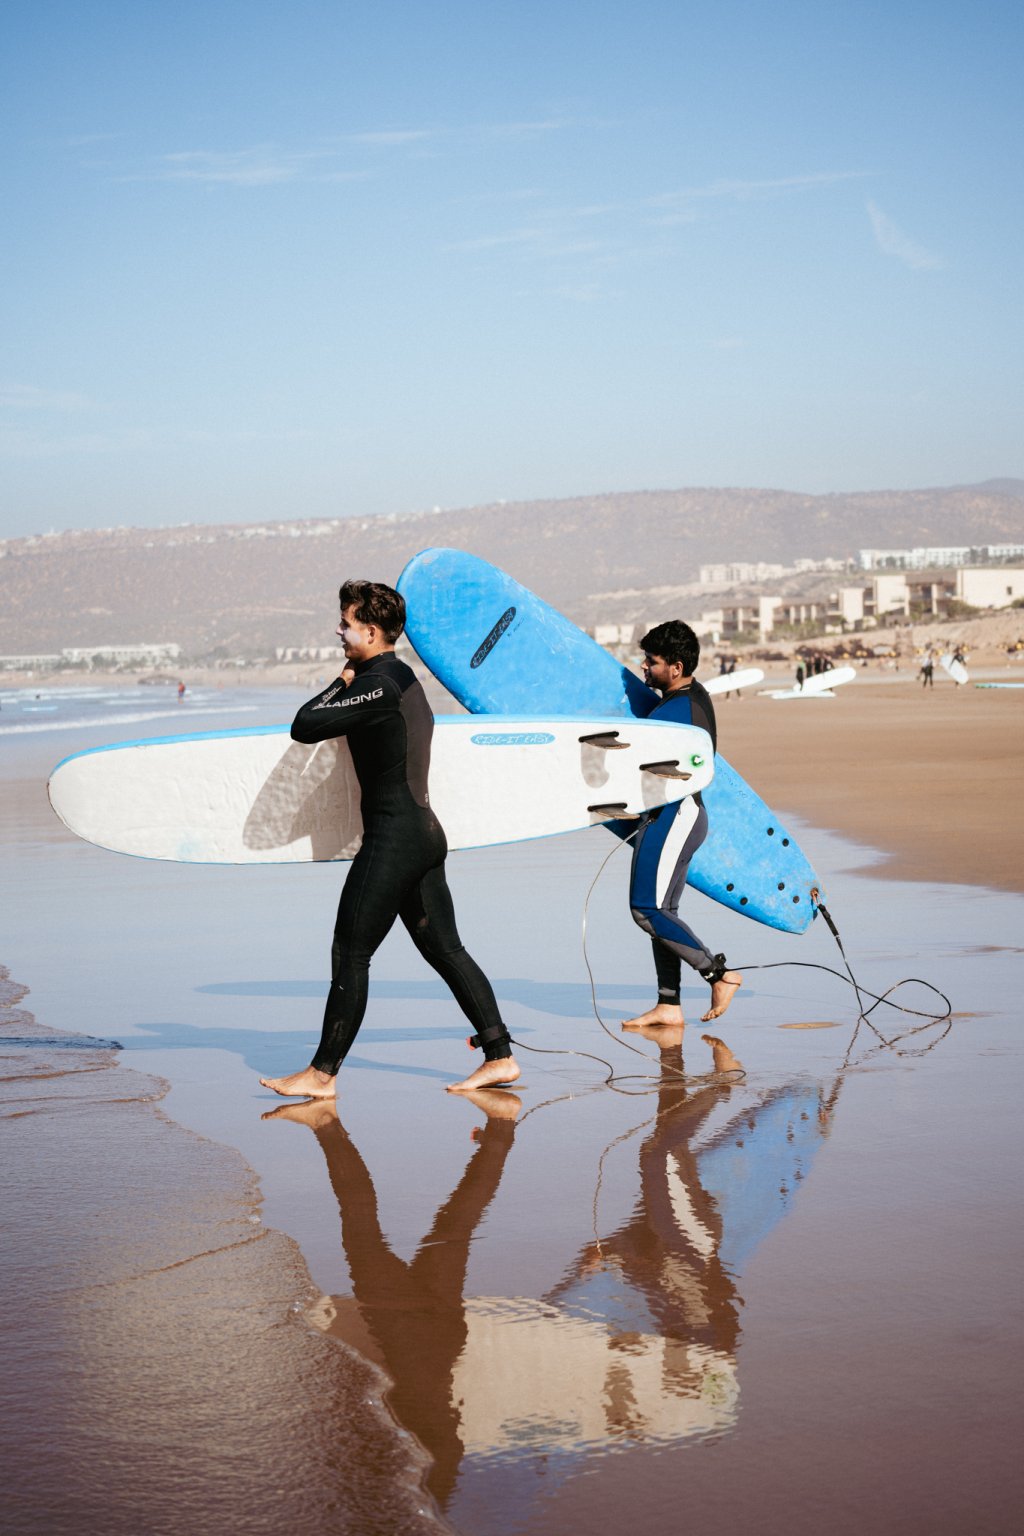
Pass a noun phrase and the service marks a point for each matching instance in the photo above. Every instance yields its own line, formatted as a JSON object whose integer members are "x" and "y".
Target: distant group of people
{"x": 811, "y": 665}
{"x": 726, "y": 667}
{"x": 931, "y": 656}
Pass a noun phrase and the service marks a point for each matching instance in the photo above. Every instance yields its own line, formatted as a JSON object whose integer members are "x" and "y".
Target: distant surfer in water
{"x": 670, "y": 836}
{"x": 380, "y": 707}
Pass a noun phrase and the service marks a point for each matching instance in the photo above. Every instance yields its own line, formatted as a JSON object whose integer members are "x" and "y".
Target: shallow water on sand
{"x": 789, "y": 1300}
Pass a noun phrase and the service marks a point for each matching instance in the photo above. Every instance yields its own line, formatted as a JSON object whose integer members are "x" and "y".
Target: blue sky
{"x": 268, "y": 260}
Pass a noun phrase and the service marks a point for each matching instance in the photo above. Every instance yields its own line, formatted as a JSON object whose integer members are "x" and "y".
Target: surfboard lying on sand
{"x": 820, "y": 685}
{"x": 496, "y": 645}
{"x": 731, "y": 682}
{"x": 254, "y": 796}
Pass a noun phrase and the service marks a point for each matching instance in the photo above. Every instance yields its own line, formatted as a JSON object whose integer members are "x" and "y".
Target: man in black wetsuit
{"x": 670, "y": 836}
{"x": 380, "y": 707}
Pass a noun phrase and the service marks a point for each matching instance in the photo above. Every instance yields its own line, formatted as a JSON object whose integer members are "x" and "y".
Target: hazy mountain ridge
{"x": 247, "y": 588}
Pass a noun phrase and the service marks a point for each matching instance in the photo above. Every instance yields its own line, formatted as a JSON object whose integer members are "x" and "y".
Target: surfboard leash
{"x": 861, "y": 992}
{"x": 612, "y": 1077}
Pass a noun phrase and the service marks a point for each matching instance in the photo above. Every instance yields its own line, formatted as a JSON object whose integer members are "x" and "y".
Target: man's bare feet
{"x": 722, "y": 993}
{"x": 661, "y": 1013}
{"x": 307, "y": 1084}
{"x": 491, "y": 1075}
{"x": 725, "y": 1061}
{"x": 318, "y": 1114}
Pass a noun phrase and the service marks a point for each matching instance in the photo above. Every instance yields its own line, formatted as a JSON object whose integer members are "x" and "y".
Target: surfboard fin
{"x": 667, "y": 770}
{"x": 616, "y": 809}
{"x": 609, "y": 740}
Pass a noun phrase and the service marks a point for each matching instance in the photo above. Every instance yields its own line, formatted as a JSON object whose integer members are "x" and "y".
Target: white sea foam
{"x": 82, "y": 721}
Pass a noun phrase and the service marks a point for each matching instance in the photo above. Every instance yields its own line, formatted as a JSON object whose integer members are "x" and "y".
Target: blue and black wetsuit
{"x": 399, "y": 869}
{"x": 662, "y": 850}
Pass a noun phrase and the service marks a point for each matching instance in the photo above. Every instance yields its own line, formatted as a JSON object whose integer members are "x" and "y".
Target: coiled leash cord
{"x": 931, "y": 1020}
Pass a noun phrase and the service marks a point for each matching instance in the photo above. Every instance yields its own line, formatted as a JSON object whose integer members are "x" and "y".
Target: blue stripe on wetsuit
{"x": 661, "y": 858}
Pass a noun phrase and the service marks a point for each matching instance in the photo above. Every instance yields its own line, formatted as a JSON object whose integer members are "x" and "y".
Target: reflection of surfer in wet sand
{"x": 670, "y": 836}
{"x": 665, "y": 1261}
{"x": 414, "y": 1311}
{"x": 379, "y": 706}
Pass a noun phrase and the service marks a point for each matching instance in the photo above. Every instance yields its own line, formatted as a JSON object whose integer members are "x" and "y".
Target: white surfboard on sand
{"x": 820, "y": 685}
{"x": 956, "y": 669}
{"x": 257, "y": 797}
{"x": 730, "y": 682}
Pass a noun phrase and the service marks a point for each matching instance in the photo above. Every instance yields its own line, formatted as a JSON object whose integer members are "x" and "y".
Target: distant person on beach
{"x": 670, "y": 836}
{"x": 800, "y": 674}
{"x": 927, "y": 671}
{"x": 379, "y": 705}
{"x": 181, "y": 690}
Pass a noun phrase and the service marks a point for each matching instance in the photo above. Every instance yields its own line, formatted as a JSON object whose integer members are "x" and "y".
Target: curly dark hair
{"x": 374, "y": 603}
{"x": 673, "y": 641}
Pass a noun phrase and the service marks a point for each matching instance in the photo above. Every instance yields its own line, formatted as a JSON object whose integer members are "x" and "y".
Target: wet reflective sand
{"x": 775, "y": 1303}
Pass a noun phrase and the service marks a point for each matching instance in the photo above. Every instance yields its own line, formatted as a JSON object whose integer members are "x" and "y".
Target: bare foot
{"x": 307, "y": 1084}
{"x": 318, "y": 1114}
{"x": 491, "y": 1075}
{"x": 496, "y": 1103}
{"x": 722, "y": 993}
{"x": 661, "y": 1013}
{"x": 725, "y": 1061}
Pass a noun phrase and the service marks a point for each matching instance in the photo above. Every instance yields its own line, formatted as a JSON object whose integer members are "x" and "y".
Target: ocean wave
{"x": 81, "y": 722}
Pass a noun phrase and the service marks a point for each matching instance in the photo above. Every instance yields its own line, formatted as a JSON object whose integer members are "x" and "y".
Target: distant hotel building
{"x": 923, "y": 559}
{"x": 880, "y": 600}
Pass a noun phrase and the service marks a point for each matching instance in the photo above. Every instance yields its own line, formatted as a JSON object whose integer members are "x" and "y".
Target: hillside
{"x": 245, "y": 589}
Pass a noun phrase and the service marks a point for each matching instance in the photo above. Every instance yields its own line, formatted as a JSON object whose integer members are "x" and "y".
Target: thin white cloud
{"x": 892, "y": 241}
{"x": 680, "y": 207}
{"x": 386, "y": 138}
{"x": 261, "y": 166}
{"x": 30, "y": 397}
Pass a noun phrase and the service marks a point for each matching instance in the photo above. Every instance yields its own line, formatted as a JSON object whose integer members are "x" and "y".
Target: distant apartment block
{"x": 743, "y": 573}
{"x": 926, "y": 558}
{"x": 884, "y": 597}
{"x": 121, "y": 654}
{"x": 77, "y": 655}
{"x": 309, "y": 653}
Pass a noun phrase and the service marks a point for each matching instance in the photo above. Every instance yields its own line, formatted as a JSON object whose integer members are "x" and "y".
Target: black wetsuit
{"x": 399, "y": 869}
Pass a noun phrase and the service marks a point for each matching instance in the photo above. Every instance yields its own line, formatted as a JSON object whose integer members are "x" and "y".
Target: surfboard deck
{"x": 955, "y": 669}
{"x": 820, "y": 685}
{"x": 732, "y": 682}
{"x": 495, "y": 645}
{"x": 254, "y": 796}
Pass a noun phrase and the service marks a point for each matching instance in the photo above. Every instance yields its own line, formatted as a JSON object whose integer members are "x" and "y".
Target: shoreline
{"x": 914, "y": 774}
{"x": 168, "y": 1277}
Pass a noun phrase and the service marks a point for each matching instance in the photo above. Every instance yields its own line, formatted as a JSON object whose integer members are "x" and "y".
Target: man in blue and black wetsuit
{"x": 671, "y": 835}
{"x": 379, "y": 706}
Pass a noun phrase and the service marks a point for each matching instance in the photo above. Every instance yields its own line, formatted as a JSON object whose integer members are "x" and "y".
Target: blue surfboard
{"x": 496, "y": 646}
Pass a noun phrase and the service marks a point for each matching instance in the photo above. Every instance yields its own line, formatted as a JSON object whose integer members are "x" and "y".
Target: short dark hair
{"x": 673, "y": 641}
{"x": 374, "y": 603}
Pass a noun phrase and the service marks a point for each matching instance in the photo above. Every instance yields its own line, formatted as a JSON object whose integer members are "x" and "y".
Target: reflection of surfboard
{"x": 728, "y": 682}
{"x": 820, "y": 685}
{"x": 496, "y": 645}
{"x": 256, "y": 797}
{"x": 956, "y": 669}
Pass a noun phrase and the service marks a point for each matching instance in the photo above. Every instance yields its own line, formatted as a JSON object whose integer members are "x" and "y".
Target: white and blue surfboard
{"x": 495, "y": 645}
{"x": 254, "y": 796}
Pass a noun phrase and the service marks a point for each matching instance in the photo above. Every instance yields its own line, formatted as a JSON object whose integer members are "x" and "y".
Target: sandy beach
{"x": 781, "y": 1301}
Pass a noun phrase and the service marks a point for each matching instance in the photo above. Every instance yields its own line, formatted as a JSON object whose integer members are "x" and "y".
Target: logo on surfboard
{"x": 513, "y": 739}
{"x": 494, "y": 636}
